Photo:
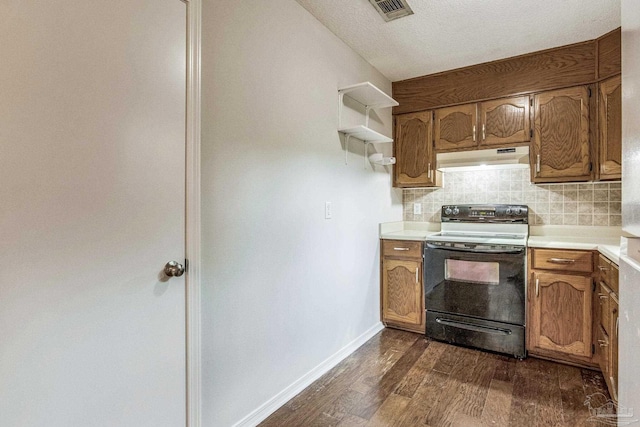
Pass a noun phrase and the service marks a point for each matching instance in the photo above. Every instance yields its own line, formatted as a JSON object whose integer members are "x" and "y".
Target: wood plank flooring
{"x": 402, "y": 379}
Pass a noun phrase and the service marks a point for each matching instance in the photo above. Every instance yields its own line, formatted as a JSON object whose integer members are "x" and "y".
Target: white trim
{"x": 271, "y": 405}
{"x": 193, "y": 218}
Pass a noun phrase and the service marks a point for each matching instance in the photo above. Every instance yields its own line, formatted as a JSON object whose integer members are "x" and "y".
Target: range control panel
{"x": 485, "y": 213}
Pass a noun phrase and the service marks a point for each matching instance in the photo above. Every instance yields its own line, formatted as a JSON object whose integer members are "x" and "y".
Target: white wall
{"x": 283, "y": 288}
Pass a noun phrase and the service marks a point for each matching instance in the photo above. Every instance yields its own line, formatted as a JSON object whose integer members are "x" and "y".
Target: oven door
{"x": 481, "y": 284}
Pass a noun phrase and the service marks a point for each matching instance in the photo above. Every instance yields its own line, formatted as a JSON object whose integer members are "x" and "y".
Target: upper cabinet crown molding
{"x": 609, "y": 51}
{"x": 571, "y": 65}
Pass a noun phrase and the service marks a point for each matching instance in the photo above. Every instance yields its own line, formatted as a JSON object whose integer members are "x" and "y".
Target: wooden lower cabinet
{"x": 402, "y": 295}
{"x": 613, "y": 355}
{"x": 573, "y": 310}
{"x": 606, "y": 323}
{"x": 561, "y": 314}
{"x": 560, "y": 298}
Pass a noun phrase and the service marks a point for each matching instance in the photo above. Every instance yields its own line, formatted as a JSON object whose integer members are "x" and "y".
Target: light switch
{"x": 417, "y": 208}
{"x": 328, "y": 210}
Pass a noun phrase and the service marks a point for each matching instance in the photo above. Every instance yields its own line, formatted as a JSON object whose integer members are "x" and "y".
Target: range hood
{"x": 495, "y": 158}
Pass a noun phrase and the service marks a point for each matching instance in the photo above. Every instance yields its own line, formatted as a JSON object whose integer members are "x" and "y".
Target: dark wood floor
{"x": 401, "y": 379}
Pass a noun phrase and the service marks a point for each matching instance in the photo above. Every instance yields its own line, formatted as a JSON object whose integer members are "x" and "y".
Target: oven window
{"x": 472, "y": 271}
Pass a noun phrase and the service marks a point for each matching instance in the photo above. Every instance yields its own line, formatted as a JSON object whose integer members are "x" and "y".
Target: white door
{"x": 92, "y": 206}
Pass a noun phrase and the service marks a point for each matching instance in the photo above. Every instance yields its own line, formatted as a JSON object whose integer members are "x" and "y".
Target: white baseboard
{"x": 271, "y": 405}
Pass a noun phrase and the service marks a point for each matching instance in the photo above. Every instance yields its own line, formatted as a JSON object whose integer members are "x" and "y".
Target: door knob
{"x": 174, "y": 269}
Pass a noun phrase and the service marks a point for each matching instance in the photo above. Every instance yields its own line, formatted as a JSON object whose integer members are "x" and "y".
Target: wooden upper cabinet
{"x": 561, "y": 150}
{"x": 505, "y": 121}
{"x": 455, "y": 127}
{"x": 610, "y": 124}
{"x": 562, "y": 318}
{"x": 415, "y": 158}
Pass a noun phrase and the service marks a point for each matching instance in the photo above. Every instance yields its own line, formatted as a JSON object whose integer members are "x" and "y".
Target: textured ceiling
{"x": 446, "y": 34}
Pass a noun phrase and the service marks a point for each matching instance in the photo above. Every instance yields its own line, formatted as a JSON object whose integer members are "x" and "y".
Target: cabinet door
{"x": 415, "y": 159}
{"x": 613, "y": 353}
{"x": 610, "y": 124}
{"x": 562, "y": 313}
{"x": 505, "y": 121}
{"x": 561, "y": 136}
{"x": 603, "y": 349}
{"x": 604, "y": 307}
{"x": 455, "y": 127}
{"x": 402, "y": 292}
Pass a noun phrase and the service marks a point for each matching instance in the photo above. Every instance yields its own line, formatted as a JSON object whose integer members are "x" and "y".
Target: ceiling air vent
{"x": 392, "y": 9}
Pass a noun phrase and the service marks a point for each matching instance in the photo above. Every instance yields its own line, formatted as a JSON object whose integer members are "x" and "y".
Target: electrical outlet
{"x": 417, "y": 208}
{"x": 328, "y": 210}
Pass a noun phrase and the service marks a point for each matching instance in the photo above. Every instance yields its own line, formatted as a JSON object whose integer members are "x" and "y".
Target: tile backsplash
{"x": 591, "y": 203}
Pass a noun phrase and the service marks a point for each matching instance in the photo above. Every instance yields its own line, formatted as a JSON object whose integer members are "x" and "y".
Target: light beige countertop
{"x": 408, "y": 230}
{"x": 606, "y": 240}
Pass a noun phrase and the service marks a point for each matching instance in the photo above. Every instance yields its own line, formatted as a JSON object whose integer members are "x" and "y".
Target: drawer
{"x": 613, "y": 279}
{"x": 604, "y": 269}
{"x": 604, "y": 304}
{"x": 563, "y": 260}
{"x": 401, "y": 248}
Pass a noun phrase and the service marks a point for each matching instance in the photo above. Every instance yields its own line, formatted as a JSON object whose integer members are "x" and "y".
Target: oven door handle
{"x": 474, "y": 250}
{"x": 472, "y": 327}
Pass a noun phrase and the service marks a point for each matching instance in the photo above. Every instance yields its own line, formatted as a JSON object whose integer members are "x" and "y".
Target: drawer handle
{"x": 561, "y": 260}
{"x": 484, "y": 133}
{"x": 474, "y": 133}
{"x": 537, "y": 287}
{"x": 603, "y": 343}
{"x": 400, "y": 249}
{"x": 538, "y": 163}
{"x": 602, "y": 268}
{"x": 417, "y": 275}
